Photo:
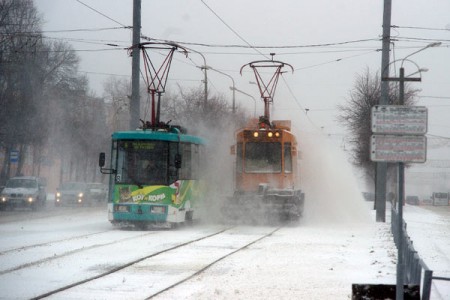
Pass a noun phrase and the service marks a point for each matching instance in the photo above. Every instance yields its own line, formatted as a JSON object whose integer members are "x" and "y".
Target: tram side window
{"x": 202, "y": 161}
{"x": 173, "y": 150}
{"x": 186, "y": 165}
{"x": 287, "y": 158}
{"x": 121, "y": 174}
{"x": 239, "y": 157}
{"x": 195, "y": 161}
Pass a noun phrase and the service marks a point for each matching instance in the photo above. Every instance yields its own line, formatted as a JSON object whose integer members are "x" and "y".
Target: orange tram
{"x": 267, "y": 185}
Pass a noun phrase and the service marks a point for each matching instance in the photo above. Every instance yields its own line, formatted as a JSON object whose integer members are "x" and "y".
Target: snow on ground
{"x": 429, "y": 230}
{"x": 305, "y": 262}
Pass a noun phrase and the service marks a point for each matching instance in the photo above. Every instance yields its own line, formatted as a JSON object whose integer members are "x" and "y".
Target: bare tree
{"x": 19, "y": 41}
{"x": 355, "y": 115}
{"x": 117, "y": 96}
{"x": 47, "y": 109}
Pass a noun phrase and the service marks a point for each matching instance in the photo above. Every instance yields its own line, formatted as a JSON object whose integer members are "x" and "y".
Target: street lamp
{"x": 436, "y": 44}
{"x": 233, "y": 89}
{"x": 204, "y": 68}
{"x": 420, "y": 71}
{"x": 237, "y": 90}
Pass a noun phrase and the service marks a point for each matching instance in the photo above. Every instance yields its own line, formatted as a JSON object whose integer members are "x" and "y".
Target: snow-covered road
{"x": 49, "y": 252}
{"x": 42, "y": 252}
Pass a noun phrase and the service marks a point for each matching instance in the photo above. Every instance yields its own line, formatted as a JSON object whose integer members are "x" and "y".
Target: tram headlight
{"x": 58, "y": 194}
{"x": 80, "y": 195}
{"x": 277, "y": 134}
{"x": 30, "y": 199}
{"x": 255, "y": 134}
{"x": 270, "y": 134}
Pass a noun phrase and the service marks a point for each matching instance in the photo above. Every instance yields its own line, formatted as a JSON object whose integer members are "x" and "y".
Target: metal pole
{"x": 234, "y": 99}
{"x": 254, "y": 100}
{"x": 206, "y": 85}
{"x": 135, "y": 111}
{"x": 381, "y": 167}
{"x": 234, "y": 94}
{"x": 204, "y": 68}
{"x": 401, "y": 183}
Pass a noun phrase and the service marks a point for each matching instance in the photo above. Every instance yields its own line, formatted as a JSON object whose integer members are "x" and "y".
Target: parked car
{"x": 368, "y": 196}
{"x": 412, "y": 200}
{"x": 23, "y": 191}
{"x": 98, "y": 192}
{"x": 72, "y": 193}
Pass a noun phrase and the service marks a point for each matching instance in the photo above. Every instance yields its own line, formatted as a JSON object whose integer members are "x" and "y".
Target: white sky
{"x": 323, "y": 76}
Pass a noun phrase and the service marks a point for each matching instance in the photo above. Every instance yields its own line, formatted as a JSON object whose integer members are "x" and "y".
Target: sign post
{"x": 408, "y": 125}
{"x": 14, "y": 156}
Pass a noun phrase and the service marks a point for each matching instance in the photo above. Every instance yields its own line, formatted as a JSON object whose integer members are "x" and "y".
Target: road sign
{"x": 14, "y": 156}
{"x": 398, "y": 148}
{"x": 399, "y": 119}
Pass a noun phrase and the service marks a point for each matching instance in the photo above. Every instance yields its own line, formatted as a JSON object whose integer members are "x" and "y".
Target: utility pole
{"x": 205, "y": 99}
{"x": 381, "y": 167}
{"x": 135, "y": 110}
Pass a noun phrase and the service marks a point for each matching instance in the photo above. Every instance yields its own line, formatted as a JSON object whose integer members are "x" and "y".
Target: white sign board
{"x": 398, "y": 148}
{"x": 399, "y": 119}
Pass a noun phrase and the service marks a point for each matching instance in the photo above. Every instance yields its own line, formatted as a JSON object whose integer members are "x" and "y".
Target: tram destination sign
{"x": 398, "y": 148}
{"x": 399, "y": 119}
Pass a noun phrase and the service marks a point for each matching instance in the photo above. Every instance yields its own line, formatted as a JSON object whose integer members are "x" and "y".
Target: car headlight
{"x": 30, "y": 199}
{"x": 3, "y": 198}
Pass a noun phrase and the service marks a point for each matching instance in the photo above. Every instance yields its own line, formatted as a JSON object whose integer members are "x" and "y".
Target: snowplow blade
{"x": 267, "y": 208}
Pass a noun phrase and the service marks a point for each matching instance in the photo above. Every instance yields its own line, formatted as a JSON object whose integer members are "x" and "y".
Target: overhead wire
{"x": 336, "y": 60}
{"x": 266, "y": 46}
{"x": 420, "y": 28}
{"x": 87, "y": 29}
{"x": 102, "y": 14}
{"x": 234, "y": 31}
{"x": 434, "y": 97}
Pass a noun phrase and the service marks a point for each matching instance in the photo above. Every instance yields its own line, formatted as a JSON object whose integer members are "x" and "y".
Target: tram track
{"x": 200, "y": 253}
{"x": 24, "y": 248}
{"x": 125, "y": 265}
{"x": 67, "y": 253}
{"x": 212, "y": 263}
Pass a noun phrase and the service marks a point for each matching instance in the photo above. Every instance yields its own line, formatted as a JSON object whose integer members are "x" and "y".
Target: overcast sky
{"x": 336, "y": 40}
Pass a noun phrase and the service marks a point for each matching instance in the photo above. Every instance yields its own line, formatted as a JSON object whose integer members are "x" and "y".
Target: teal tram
{"x": 155, "y": 176}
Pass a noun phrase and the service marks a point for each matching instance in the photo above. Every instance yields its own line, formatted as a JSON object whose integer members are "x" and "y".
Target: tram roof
{"x": 156, "y": 135}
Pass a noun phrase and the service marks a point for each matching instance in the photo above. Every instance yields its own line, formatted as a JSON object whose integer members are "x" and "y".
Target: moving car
{"x": 72, "y": 193}
{"x": 23, "y": 191}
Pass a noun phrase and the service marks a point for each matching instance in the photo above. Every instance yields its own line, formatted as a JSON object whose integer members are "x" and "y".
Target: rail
{"x": 413, "y": 264}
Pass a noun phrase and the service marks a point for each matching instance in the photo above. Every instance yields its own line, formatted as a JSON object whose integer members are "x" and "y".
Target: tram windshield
{"x": 262, "y": 157}
{"x": 145, "y": 162}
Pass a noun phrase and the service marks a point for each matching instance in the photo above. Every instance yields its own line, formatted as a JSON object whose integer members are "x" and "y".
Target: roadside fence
{"x": 415, "y": 267}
